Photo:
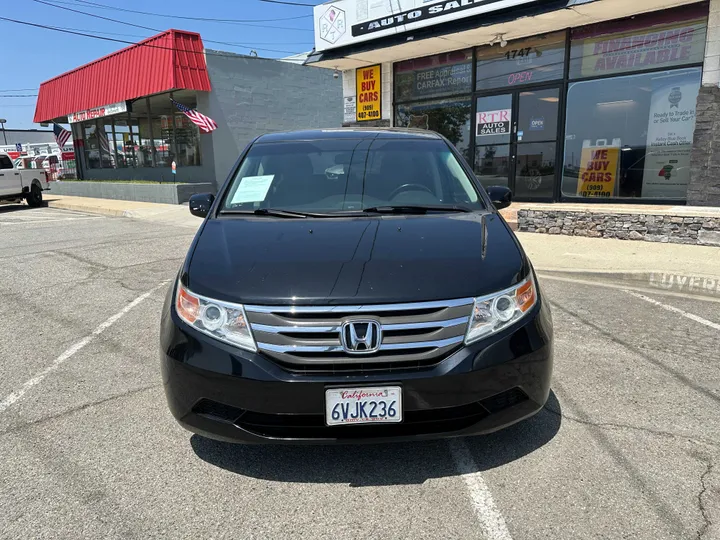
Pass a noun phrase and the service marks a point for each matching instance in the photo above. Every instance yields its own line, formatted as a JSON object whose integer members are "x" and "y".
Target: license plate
{"x": 382, "y": 404}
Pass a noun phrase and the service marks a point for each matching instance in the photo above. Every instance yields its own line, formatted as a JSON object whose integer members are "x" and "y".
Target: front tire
{"x": 34, "y": 198}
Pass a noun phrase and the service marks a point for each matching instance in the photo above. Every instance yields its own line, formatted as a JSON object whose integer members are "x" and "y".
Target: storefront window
{"x": 525, "y": 61}
{"x": 187, "y": 141}
{"x": 434, "y": 76}
{"x": 92, "y": 148}
{"x": 631, "y": 136}
{"x": 666, "y": 39}
{"x": 154, "y": 134}
{"x": 122, "y": 136}
{"x": 107, "y": 143}
{"x": 450, "y": 118}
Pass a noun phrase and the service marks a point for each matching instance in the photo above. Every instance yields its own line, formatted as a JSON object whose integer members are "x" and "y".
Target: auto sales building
{"x": 562, "y": 100}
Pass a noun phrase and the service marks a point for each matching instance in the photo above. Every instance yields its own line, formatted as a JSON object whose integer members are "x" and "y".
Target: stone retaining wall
{"x": 651, "y": 228}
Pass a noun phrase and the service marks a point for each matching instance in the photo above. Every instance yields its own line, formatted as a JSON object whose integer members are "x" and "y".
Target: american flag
{"x": 205, "y": 123}
{"x": 104, "y": 144}
{"x": 62, "y": 135}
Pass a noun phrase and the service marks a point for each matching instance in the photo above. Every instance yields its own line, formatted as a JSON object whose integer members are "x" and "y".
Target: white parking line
{"x": 69, "y": 353}
{"x": 43, "y": 221}
{"x": 491, "y": 520}
{"x": 679, "y": 311}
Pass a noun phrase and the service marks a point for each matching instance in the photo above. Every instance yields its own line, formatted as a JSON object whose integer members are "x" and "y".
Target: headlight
{"x": 497, "y": 311}
{"x": 221, "y": 320}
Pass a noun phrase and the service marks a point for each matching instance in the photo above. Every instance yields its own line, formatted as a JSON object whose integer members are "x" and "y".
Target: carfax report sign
{"x": 346, "y": 22}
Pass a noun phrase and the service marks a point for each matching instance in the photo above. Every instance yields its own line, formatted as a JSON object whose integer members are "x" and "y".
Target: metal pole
{"x": 2, "y": 122}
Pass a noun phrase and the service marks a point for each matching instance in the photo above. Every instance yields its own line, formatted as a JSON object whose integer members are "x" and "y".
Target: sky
{"x": 33, "y": 55}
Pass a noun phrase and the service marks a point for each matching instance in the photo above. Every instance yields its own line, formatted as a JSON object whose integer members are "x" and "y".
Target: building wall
{"x": 252, "y": 96}
{"x": 704, "y": 187}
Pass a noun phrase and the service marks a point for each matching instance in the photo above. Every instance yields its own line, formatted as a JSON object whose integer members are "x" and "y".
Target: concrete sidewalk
{"x": 684, "y": 269}
{"x": 172, "y": 214}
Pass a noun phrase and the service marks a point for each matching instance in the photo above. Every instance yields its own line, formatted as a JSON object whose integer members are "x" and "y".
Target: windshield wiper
{"x": 276, "y": 212}
{"x": 415, "y": 209}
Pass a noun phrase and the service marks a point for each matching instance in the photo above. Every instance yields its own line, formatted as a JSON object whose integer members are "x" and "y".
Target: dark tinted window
{"x": 5, "y": 163}
{"x": 336, "y": 175}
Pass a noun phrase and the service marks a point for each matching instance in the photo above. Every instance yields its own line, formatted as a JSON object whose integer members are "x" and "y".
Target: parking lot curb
{"x": 90, "y": 209}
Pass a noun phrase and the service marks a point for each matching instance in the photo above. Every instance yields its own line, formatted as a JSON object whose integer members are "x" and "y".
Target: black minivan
{"x": 354, "y": 285}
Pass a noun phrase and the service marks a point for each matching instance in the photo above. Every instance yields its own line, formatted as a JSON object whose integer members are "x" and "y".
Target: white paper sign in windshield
{"x": 252, "y": 189}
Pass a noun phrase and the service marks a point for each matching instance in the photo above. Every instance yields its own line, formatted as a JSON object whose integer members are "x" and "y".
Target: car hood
{"x": 378, "y": 259}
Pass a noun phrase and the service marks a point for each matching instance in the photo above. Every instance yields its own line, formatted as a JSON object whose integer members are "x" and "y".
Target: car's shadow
{"x": 388, "y": 464}
{"x": 13, "y": 207}
{"x": 19, "y": 207}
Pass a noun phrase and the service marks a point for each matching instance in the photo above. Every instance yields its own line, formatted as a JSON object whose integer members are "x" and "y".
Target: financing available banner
{"x": 670, "y": 135}
{"x": 598, "y": 171}
{"x": 668, "y": 45}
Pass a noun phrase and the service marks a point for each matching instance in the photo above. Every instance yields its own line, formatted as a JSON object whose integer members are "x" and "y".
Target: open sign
{"x": 521, "y": 77}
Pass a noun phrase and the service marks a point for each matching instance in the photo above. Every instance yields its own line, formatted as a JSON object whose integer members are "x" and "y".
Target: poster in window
{"x": 494, "y": 122}
{"x": 671, "y": 125}
{"x": 598, "y": 171}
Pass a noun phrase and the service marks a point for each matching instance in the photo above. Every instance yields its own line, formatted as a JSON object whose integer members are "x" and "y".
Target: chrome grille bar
{"x": 332, "y": 329}
{"x": 337, "y": 348}
{"x": 371, "y": 308}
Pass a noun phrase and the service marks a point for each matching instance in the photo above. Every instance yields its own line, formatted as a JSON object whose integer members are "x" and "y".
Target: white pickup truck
{"x": 18, "y": 184}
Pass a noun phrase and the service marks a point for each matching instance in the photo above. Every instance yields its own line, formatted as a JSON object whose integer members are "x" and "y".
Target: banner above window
{"x": 644, "y": 43}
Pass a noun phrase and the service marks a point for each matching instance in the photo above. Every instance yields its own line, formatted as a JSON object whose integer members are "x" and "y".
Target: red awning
{"x": 173, "y": 60}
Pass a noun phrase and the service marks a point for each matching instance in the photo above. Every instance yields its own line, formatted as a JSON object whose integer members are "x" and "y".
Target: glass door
{"x": 516, "y": 141}
{"x": 536, "y": 143}
{"x": 493, "y": 140}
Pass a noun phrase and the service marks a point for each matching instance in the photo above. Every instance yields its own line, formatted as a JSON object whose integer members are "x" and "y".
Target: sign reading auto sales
{"x": 345, "y": 22}
{"x": 98, "y": 112}
{"x": 494, "y": 122}
{"x": 369, "y": 94}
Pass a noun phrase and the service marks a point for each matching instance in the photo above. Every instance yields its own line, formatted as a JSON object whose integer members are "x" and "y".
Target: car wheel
{"x": 34, "y": 198}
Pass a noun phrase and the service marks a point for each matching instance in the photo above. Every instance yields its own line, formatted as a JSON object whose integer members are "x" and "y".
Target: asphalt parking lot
{"x": 627, "y": 446}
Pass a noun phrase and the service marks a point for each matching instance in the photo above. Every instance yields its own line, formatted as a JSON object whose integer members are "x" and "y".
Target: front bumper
{"x": 228, "y": 394}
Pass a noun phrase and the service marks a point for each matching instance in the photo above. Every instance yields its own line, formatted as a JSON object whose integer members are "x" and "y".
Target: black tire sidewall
{"x": 35, "y": 197}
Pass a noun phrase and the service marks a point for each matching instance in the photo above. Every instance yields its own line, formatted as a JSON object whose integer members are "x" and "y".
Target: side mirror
{"x": 200, "y": 204}
{"x": 500, "y": 196}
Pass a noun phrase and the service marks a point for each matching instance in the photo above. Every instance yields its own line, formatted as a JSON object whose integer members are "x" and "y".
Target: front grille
{"x": 307, "y": 338}
{"x": 312, "y": 426}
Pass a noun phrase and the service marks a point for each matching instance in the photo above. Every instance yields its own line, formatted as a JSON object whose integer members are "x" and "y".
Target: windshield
{"x": 348, "y": 175}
